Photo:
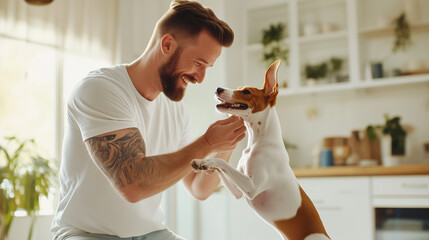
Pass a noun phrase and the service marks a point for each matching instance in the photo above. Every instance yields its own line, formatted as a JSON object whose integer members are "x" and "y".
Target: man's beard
{"x": 169, "y": 77}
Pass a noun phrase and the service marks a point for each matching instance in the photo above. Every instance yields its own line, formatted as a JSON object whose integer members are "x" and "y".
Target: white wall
{"x": 306, "y": 120}
{"x": 137, "y": 19}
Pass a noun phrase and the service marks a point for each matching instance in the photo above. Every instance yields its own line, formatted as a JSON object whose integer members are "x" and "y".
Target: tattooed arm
{"x": 121, "y": 155}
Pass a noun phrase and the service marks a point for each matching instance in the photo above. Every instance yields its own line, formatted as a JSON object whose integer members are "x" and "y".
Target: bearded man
{"x": 127, "y": 137}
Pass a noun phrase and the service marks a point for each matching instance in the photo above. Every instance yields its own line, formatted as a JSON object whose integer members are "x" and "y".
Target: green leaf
{"x": 371, "y": 133}
{"x": 25, "y": 177}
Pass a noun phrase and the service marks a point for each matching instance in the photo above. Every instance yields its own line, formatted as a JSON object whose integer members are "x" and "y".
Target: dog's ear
{"x": 270, "y": 84}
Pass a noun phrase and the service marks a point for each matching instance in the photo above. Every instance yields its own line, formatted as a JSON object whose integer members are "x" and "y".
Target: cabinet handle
{"x": 415, "y": 185}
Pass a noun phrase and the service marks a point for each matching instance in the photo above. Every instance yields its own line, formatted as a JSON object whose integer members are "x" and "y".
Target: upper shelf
{"x": 323, "y": 37}
{"x": 365, "y": 84}
{"x": 260, "y": 47}
{"x": 370, "y": 31}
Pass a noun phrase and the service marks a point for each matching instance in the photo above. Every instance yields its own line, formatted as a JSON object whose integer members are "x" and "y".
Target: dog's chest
{"x": 257, "y": 160}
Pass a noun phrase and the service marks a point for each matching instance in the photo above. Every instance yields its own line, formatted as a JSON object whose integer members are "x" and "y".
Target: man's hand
{"x": 224, "y": 135}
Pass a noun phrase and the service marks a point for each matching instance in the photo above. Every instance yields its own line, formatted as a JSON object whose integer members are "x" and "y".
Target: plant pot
{"x": 392, "y": 158}
{"x": 311, "y": 82}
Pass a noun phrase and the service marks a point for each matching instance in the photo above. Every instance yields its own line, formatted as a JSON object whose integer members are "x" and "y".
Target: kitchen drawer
{"x": 401, "y": 186}
{"x": 334, "y": 193}
{"x": 337, "y": 199}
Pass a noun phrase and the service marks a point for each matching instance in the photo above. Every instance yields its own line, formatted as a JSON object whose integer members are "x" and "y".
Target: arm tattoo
{"x": 123, "y": 159}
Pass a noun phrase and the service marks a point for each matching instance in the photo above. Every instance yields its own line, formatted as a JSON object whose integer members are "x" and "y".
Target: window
{"x": 43, "y": 54}
{"x": 27, "y": 102}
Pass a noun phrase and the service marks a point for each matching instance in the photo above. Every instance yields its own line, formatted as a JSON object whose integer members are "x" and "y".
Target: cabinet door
{"x": 343, "y": 204}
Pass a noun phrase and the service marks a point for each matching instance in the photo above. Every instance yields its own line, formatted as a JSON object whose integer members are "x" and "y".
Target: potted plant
{"x": 316, "y": 72}
{"x": 402, "y": 33}
{"x": 393, "y": 141}
{"x": 335, "y": 67}
{"x": 24, "y": 176}
{"x": 274, "y": 45}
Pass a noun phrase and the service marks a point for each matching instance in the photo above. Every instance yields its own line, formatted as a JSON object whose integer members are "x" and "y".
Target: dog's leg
{"x": 243, "y": 182}
{"x": 230, "y": 185}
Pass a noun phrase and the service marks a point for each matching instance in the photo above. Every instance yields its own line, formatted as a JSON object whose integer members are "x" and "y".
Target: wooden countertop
{"x": 348, "y": 171}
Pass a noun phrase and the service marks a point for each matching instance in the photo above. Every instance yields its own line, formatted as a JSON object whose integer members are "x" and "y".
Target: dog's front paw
{"x": 203, "y": 165}
{"x": 199, "y": 165}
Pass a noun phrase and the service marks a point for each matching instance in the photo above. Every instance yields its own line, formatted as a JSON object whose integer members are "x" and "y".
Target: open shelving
{"x": 364, "y": 84}
{"x": 355, "y": 38}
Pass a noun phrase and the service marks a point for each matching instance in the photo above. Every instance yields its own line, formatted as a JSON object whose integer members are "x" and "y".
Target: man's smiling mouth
{"x": 188, "y": 79}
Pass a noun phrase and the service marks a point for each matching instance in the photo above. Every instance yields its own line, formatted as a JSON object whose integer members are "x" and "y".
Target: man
{"x": 127, "y": 137}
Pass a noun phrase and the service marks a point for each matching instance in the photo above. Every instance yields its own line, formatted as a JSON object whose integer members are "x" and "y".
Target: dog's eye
{"x": 245, "y": 91}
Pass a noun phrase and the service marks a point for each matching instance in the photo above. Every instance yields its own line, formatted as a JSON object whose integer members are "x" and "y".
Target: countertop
{"x": 348, "y": 171}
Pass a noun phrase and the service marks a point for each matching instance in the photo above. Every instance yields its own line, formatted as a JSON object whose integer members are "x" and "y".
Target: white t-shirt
{"x": 104, "y": 101}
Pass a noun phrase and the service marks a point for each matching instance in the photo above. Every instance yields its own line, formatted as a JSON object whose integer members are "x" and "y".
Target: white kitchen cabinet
{"x": 343, "y": 204}
{"x": 351, "y": 207}
{"x": 351, "y": 30}
{"x": 401, "y": 191}
{"x": 348, "y": 205}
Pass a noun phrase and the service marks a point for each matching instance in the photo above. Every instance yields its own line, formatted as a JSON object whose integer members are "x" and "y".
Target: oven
{"x": 401, "y": 207}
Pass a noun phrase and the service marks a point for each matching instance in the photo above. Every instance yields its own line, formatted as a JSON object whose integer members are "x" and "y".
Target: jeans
{"x": 164, "y": 234}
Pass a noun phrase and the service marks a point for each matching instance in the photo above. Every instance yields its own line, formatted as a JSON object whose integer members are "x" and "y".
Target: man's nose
{"x": 200, "y": 76}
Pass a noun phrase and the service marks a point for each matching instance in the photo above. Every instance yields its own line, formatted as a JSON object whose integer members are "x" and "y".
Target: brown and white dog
{"x": 263, "y": 173}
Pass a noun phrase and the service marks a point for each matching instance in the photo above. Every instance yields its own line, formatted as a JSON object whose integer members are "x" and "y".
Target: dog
{"x": 263, "y": 174}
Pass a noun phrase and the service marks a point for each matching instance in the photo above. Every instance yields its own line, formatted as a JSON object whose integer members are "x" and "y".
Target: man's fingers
{"x": 239, "y": 138}
{"x": 238, "y": 124}
{"x": 242, "y": 129}
{"x": 235, "y": 126}
{"x": 224, "y": 134}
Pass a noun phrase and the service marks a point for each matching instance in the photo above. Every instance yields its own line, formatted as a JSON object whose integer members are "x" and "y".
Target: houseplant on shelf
{"x": 24, "y": 176}
{"x": 393, "y": 141}
{"x": 335, "y": 67}
{"x": 274, "y": 45}
{"x": 402, "y": 33}
{"x": 315, "y": 72}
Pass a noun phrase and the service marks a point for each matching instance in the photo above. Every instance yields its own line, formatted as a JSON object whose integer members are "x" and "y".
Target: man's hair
{"x": 189, "y": 18}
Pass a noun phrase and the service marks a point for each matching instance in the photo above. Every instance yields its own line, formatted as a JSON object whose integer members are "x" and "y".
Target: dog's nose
{"x": 219, "y": 90}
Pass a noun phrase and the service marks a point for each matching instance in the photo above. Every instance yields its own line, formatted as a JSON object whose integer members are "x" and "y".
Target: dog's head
{"x": 248, "y": 100}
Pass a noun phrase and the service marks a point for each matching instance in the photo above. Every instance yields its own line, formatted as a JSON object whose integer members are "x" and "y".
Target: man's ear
{"x": 168, "y": 44}
{"x": 270, "y": 84}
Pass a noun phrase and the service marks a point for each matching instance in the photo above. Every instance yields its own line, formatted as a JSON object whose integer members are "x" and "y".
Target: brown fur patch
{"x": 257, "y": 100}
{"x": 273, "y": 96}
{"x": 307, "y": 221}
